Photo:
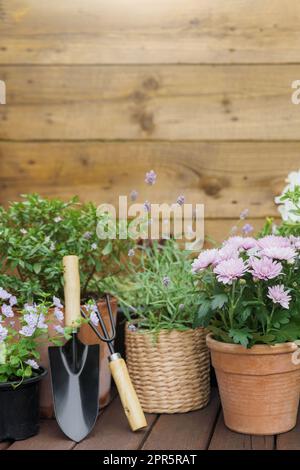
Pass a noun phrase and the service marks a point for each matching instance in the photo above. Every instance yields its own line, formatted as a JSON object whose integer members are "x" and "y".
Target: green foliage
{"x": 160, "y": 291}
{"x": 36, "y": 233}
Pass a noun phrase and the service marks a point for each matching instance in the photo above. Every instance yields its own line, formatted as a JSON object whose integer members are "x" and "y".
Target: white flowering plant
{"x": 24, "y": 328}
{"x": 36, "y": 233}
{"x": 249, "y": 290}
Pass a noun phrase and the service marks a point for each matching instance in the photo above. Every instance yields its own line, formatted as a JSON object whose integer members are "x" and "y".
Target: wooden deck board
{"x": 290, "y": 440}
{"x": 112, "y": 431}
{"x": 198, "y": 430}
{"x": 184, "y": 431}
{"x": 50, "y": 437}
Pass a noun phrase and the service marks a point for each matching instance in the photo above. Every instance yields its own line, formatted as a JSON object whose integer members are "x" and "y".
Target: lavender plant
{"x": 249, "y": 290}
{"x": 159, "y": 291}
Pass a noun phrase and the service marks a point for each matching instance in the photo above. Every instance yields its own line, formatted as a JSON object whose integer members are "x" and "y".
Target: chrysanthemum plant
{"x": 250, "y": 290}
{"x": 36, "y": 233}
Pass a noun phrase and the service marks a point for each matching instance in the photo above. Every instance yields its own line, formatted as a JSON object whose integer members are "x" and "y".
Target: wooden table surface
{"x": 197, "y": 430}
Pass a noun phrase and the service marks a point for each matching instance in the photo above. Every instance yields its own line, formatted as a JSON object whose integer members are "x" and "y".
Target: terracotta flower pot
{"x": 259, "y": 387}
{"x": 87, "y": 336}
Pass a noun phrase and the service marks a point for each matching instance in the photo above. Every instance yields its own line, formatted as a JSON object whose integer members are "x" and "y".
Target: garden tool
{"x": 74, "y": 367}
{"x": 118, "y": 368}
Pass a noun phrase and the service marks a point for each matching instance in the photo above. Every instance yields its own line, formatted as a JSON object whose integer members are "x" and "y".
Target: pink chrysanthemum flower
{"x": 230, "y": 270}
{"x": 205, "y": 259}
{"x": 279, "y": 296}
{"x": 227, "y": 252}
{"x": 282, "y": 253}
{"x": 264, "y": 268}
{"x": 273, "y": 241}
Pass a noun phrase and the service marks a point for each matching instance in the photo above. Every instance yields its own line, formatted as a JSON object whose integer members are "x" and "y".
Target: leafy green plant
{"x": 159, "y": 291}
{"x": 249, "y": 290}
{"x": 36, "y": 233}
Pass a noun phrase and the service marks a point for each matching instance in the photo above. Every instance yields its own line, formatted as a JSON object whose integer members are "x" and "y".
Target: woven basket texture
{"x": 170, "y": 371}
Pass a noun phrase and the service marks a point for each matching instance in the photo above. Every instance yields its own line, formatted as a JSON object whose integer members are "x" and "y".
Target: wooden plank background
{"x": 98, "y": 93}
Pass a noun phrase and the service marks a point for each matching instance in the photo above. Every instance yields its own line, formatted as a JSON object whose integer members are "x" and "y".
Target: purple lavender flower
{"x": 180, "y": 200}
{"x": 205, "y": 259}
{"x": 279, "y": 296}
{"x": 13, "y": 301}
{"x": 247, "y": 228}
{"x": 281, "y": 253}
{"x": 7, "y": 311}
{"x": 58, "y": 314}
{"x": 3, "y": 333}
{"x": 166, "y": 281}
{"x": 56, "y": 302}
{"x": 4, "y": 295}
{"x": 150, "y": 177}
{"x": 87, "y": 235}
{"x": 27, "y": 330}
{"x": 94, "y": 318}
{"x": 133, "y": 195}
{"x": 32, "y": 363}
{"x": 264, "y": 268}
{"x": 59, "y": 329}
{"x": 244, "y": 214}
{"x": 131, "y": 252}
{"x": 230, "y": 270}
{"x": 147, "y": 206}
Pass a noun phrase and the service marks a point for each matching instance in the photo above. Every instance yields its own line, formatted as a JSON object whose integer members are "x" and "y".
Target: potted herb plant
{"x": 249, "y": 300}
{"x": 21, "y": 333}
{"x": 35, "y": 234}
{"x": 167, "y": 357}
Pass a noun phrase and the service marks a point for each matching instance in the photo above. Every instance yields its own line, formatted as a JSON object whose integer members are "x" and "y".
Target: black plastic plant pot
{"x": 19, "y": 408}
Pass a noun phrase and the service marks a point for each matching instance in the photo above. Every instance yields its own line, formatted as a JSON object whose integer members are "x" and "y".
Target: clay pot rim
{"x": 256, "y": 350}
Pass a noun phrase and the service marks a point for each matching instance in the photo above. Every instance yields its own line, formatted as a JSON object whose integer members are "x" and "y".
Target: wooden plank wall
{"x": 100, "y": 91}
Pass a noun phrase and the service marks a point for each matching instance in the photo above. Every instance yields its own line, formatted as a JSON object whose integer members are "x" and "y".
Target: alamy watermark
{"x": 152, "y": 221}
{"x": 2, "y": 92}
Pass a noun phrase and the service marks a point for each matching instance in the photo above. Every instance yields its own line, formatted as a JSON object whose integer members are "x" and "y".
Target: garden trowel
{"x": 74, "y": 367}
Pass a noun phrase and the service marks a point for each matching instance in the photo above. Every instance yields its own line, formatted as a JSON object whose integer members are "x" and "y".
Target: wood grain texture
{"x": 151, "y": 31}
{"x": 50, "y": 437}
{"x": 112, "y": 431}
{"x": 290, "y": 440}
{"x": 150, "y": 103}
{"x": 184, "y": 431}
{"x": 225, "y": 176}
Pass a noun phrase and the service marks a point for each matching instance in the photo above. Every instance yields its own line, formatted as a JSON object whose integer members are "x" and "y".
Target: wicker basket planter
{"x": 171, "y": 374}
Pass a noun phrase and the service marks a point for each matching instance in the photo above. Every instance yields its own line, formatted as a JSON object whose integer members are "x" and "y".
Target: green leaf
{"x": 241, "y": 336}
{"x": 37, "y": 268}
{"x": 218, "y": 301}
{"x": 204, "y": 314}
{"x": 107, "y": 249}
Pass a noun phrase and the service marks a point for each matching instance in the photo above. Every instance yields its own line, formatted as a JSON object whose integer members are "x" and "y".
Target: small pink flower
{"x": 279, "y": 296}
{"x": 205, "y": 259}
{"x": 281, "y": 253}
{"x": 273, "y": 241}
{"x": 227, "y": 252}
{"x": 247, "y": 228}
{"x": 264, "y": 268}
{"x": 230, "y": 270}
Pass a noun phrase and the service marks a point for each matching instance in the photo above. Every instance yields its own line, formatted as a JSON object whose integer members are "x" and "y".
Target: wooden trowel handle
{"x": 128, "y": 396}
{"x": 72, "y": 290}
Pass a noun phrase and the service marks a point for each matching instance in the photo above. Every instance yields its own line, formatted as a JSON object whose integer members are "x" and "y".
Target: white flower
{"x": 286, "y": 208}
{"x": 32, "y": 363}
